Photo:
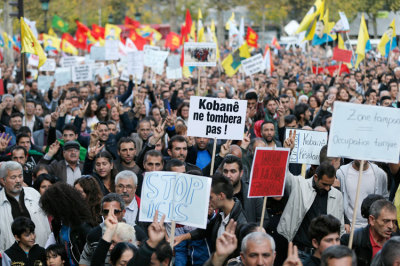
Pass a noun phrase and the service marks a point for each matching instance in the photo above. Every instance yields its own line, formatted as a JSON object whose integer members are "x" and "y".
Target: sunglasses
{"x": 105, "y": 212}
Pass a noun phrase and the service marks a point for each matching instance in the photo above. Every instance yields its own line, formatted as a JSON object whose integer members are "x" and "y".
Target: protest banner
{"x": 68, "y": 61}
{"x": 253, "y": 65}
{"x": 111, "y": 50}
{"x": 216, "y": 118}
{"x": 341, "y": 55}
{"x": 174, "y": 73}
{"x": 82, "y": 73}
{"x": 365, "y": 132}
{"x": 181, "y": 197}
{"x": 200, "y": 54}
{"x": 44, "y": 82}
{"x": 49, "y": 65}
{"x": 154, "y": 59}
{"x": 98, "y": 53}
{"x": 307, "y": 147}
{"x": 149, "y": 48}
{"x": 174, "y": 61}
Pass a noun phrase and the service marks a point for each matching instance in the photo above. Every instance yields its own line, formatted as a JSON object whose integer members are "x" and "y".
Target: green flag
{"x": 59, "y": 24}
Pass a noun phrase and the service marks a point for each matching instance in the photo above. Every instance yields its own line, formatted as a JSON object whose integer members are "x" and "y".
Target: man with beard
{"x": 268, "y": 133}
{"x": 232, "y": 168}
{"x": 178, "y": 149}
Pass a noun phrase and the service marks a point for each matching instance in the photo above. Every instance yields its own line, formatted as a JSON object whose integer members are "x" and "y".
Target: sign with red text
{"x": 268, "y": 172}
{"x": 342, "y": 55}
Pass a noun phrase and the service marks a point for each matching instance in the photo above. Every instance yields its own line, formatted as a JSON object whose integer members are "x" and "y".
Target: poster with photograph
{"x": 200, "y": 54}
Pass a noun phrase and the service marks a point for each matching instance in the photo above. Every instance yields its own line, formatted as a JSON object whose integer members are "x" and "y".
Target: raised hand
{"x": 82, "y": 109}
{"x": 156, "y": 231}
{"x": 291, "y": 140}
{"x": 171, "y": 118}
{"x": 4, "y": 141}
{"x": 53, "y": 149}
{"x": 293, "y": 256}
{"x": 245, "y": 141}
{"x": 225, "y": 148}
{"x": 328, "y": 103}
{"x": 158, "y": 133}
{"x": 94, "y": 150}
{"x": 281, "y": 109}
{"x": 226, "y": 244}
{"x": 111, "y": 223}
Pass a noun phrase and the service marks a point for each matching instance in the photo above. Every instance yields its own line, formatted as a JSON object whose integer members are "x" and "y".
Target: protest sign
{"x": 181, "y": 197}
{"x": 111, "y": 50}
{"x": 98, "y": 53}
{"x": 49, "y": 65}
{"x": 62, "y": 76}
{"x": 68, "y": 61}
{"x": 134, "y": 65}
{"x": 174, "y": 61}
{"x": 82, "y": 73}
{"x": 44, "y": 82}
{"x": 158, "y": 69}
{"x": 33, "y": 60}
{"x": 200, "y": 54}
{"x": 216, "y": 118}
{"x": 107, "y": 73}
{"x": 365, "y": 132}
{"x": 154, "y": 59}
{"x": 268, "y": 172}
{"x": 88, "y": 60}
{"x": 341, "y": 55}
{"x": 174, "y": 73}
{"x": 253, "y": 65}
{"x": 148, "y": 48}
{"x": 307, "y": 146}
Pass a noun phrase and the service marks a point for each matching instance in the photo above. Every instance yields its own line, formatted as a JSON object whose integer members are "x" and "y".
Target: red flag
{"x": 98, "y": 32}
{"x": 173, "y": 41}
{"x": 275, "y": 43}
{"x": 251, "y": 37}
{"x": 80, "y": 40}
{"x": 131, "y": 22}
{"x": 1, "y": 87}
{"x": 188, "y": 25}
{"x": 332, "y": 69}
{"x": 68, "y": 38}
{"x": 81, "y": 27}
{"x": 138, "y": 40}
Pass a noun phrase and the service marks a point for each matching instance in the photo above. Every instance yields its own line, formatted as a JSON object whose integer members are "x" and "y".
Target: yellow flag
{"x": 310, "y": 34}
{"x": 328, "y": 26}
{"x": 315, "y": 10}
{"x": 186, "y": 72}
{"x": 230, "y": 20}
{"x": 388, "y": 41}
{"x": 214, "y": 37}
{"x": 68, "y": 48}
{"x": 29, "y": 43}
{"x": 340, "y": 42}
{"x": 112, "y": 32}
{"x": 200, "y": 29}
{"x": 51, "y": 42}
{"x": 232, "y": 62}
{"x": 52, "y": 33}
{"x": 362, "y": 41}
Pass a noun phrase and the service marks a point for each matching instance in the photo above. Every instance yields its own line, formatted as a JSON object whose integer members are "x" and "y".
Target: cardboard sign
{"x": 253, "y": 65}
{"x": 341, "y": 55}
{"x": 33, "y": 60}
{"x": 98, "y": 53}
{"x": 49, "y": 65}
{"x": 174, "y": 61}
{"x": 365, "y": 132}
{"x": 216, "y": 118}
{"x": 88, "y": 60}
{"x": 62, "y": 76}
{"x": 181, "y": 197}
{"x": 135, "y": 65}
{"x": 82, "y": 73}
{"x": 68, "y": 61}
{"x": 107, "y": 73}
{"x": 154, "y": 59}
{"x": 44, "y": 83}
{"x": 307, "y": 146}
{"x": 111, "y": 50}
{"x": 268, "y": 172}
{"x": 149, "y": 48}
{"x": 174, "y": 73}
{"x": 200, "y": 54}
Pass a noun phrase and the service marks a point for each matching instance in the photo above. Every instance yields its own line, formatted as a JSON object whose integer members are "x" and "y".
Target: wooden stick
{"x": 24, "y": 78}
{"x": 172, "y": 235}
{"x": 338, "y": 73}
{"x": 213, "y": 157}
{"x": 353, "y": 222}
{"x": 303, "y": 170}
{"x": 198, "y": 82}
{"x": 263, "y": 211}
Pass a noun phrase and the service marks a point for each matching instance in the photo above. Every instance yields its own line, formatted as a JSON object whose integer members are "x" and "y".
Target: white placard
{"x": 98, "y": 53}
{"x": 216, "y": 118}
{"x": 181, "y": 197}
{"x": 200, "y": 54}
{"x": 154, "y": 59}
{"x": 135, "y": 65}
{"x": 107, "y": 73}
{"x": 174, "y": 61}
{"x": 174, "y": 73}
{"x": 111, "y": 50}
{"x": 365, "y": 132}
{"x": 68, "y": 61}
{"x": 307, "y": 146}
{"x": 147, "y": 48}
{"x": 82, "y": 73}
{"x": 62, "y": 76}
{"x": 49, "y": 65}
{"x": 253, "y": 65}
{"x": 44, "y": 83}
{"x": 33, "y": 60}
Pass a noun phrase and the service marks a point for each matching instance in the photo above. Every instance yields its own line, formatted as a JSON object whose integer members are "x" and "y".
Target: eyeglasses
{"x": 128, "y": 187}
{"x": 105, "y": 212}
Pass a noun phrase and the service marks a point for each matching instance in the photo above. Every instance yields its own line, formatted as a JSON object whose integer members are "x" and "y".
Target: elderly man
{"x": 125, "y": 186}
{"x": 17, "y": 201}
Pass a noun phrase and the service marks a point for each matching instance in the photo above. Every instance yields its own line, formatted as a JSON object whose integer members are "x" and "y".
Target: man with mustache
{"x": 17, "y": 201}
{"x": 178, "y": 149}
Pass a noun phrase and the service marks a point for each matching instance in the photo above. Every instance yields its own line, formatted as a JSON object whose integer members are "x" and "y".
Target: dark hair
{"x": 180, "y": 107}
{"x": 163, "y": 251}
{"x": 98, "y": 113}
{"x": 31, "y": 100}
{"x": 113, "y": 173}
{"x": 327, "y": 169}
{"x": 267, "y": 122}
{"x": 89, "y": 112}
{"x": 25, "y": 130}
{"x": 38, "y": 168}
{"x": 16, "y": 148}
{"x": 316, "y": 99}
{"x": 15, "y": 115}
{"x": 52, "y": 179}
{"x": 337, "y": 252}
{"x": 251, "y": 96}
{"x": 69, "y": 207}
{"x": 113, "y": 197}
{"x": 323, "y": 155}
{"x": 176, "y": 138}
{"x": 125, "y": 140}
{"x": 119, "y": 249}
{"x": 22, "y": 225}
{"x": 367, "y": 202}
{"x": 283, "y": 96}
{"x": 69, "y": 127}
{"x": 369, "y": 91}
{"x": 300, "y": 109}
{"x": 222, "y": 184}
{"x": 290, "y": 119}
{"x": 22, "y": 135}
{"x": 153, "y": 153}
{"x": 173, "y": 163}
{"x": 383, "y": 98}
{"x": 58, "y": 250}
{"x": 390, "y": 251}
{"x": 325, "y": 118}
{"x": 93, "y": 195}
{"x": 232, "y": 159}
{"x": 376, "y": 207}
{"x": 322, "y": 226}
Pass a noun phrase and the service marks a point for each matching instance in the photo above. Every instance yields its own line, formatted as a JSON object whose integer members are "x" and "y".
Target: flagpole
{"x": 390, "y": 50}
{"x": 24, "y": 78}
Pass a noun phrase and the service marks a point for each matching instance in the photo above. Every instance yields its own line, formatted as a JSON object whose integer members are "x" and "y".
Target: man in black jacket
{"x": 370, "y": 239}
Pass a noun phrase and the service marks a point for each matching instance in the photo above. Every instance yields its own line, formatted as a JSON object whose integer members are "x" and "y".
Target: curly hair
{"x": 65, "y": 203}
{"x": 93, "y": 195}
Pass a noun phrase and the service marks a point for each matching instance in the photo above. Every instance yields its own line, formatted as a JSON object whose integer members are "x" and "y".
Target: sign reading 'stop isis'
{"x": 216, "y": 118}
